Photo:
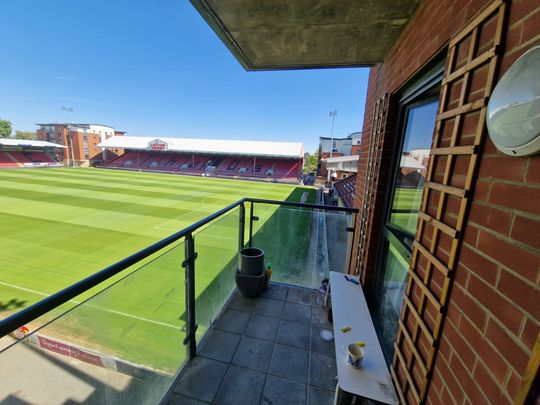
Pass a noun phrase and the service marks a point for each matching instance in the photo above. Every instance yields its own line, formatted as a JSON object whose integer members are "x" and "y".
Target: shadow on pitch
{"x": 13, "y": 303}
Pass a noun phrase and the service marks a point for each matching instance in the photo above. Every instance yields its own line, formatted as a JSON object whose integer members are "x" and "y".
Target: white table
{"x": 349, "y": 308}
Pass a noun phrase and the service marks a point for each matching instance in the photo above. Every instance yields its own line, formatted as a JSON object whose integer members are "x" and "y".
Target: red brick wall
{"x": 94, "y": 153}
{"x": 494, "y": 311}
{"x": 355, "y": 150}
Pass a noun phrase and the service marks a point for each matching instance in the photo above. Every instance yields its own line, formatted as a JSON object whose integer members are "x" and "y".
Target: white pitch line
{"x": 24, "y": 289}
{"x": 112, "y": 311}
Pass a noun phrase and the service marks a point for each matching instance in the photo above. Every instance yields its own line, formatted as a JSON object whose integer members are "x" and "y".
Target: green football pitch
{"x": 406, "y": 199}
{"x": 61, "y": 225}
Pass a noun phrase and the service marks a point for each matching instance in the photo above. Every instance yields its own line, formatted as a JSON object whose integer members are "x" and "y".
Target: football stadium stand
{"x": 276, "y": 161}
{"x": 345, "y": 190}
{"x": 26, "y": 153}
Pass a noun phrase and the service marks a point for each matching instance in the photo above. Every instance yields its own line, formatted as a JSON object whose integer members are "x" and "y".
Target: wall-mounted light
{"x": 513, "y": 113}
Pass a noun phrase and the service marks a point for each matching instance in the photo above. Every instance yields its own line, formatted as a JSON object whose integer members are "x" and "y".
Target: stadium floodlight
{"x": 333, "y": 115}
{"x": 70, "y": 110}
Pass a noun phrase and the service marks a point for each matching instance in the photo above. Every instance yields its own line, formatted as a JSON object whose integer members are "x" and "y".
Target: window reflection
{"x": 412, "y": 168}
{"x": 399, "y": 230}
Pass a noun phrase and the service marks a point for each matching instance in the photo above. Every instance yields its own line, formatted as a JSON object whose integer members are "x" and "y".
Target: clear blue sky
{"x": 155, "y": 68}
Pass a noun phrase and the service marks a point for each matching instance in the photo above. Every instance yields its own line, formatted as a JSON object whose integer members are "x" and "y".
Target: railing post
{"x": 350, "y": 246}
{"x": 241, "y": 226}
{"x": 250, "y": 223}
{"x": 189, "y": 265}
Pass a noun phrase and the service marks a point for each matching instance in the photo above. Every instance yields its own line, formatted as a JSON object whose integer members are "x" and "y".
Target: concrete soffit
{"x": 284, "y": 34}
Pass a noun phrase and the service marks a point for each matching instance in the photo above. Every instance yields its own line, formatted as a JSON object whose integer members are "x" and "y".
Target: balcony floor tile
{"x": 281, "y": 391}
{"x": 265, "y": 350}
{"x": 176, "y": 399}
{"x": 299, "y": 296}
{"x": 297, "y": 312}
{"x": 322, "y": 371}
{"x": 233, "y": 321}
{"x": 320, "y": 396}
{"x": 241, "y": 386}
{"x": 269, "y": 307}
{"x": 319, "y": 345}
{"x": 202, "y": 379}
{"x": 220, "y": 345}
{"x": 262, "y": 327}
{"x": 294, "y": 334}
{"x": 241, "y": 303}
{"x": 254, "y": 354}
{"x": 276, "y": 291}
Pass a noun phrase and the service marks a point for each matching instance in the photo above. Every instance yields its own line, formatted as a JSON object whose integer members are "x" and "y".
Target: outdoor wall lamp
{"x": 513, "y": 113}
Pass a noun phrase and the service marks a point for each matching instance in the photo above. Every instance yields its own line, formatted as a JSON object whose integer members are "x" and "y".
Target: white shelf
{"x": 349, "y": 308}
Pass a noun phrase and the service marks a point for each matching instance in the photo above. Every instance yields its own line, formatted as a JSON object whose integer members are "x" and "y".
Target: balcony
{"x": 265, "y": 350}
{"x": 167, "y": 325}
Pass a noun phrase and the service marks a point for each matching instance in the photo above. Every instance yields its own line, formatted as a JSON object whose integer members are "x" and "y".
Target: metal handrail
{"x": 40, "y": 308}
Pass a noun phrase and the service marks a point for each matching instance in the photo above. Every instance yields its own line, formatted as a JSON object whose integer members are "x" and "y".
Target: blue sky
{"x": 156, "y": 68}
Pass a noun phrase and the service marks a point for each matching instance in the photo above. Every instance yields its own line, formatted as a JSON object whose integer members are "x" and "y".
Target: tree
{"x": 310, "y": 163}
{"x": 25, "y": 135}
{"x": 5, "y": 128}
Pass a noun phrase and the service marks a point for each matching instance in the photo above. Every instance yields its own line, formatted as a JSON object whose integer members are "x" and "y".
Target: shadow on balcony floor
{"x": 265, "y": 350}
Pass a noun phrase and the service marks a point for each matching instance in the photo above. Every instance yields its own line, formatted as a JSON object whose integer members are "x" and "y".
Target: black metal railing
{"x": 48, "y": 304}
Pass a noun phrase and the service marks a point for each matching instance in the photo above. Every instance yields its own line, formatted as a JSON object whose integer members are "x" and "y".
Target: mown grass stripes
{"x": 61, "y": 225}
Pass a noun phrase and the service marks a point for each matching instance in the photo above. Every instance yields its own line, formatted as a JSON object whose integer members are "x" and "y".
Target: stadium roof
{"x": 211, "y": 146}
{"x": 28, "y": 143}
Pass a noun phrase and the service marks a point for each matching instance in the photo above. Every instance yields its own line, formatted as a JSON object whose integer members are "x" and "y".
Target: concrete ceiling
{"x": 296, "y": 34}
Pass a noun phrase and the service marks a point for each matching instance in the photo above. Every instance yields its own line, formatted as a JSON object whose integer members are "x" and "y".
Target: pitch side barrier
{"x": 29, "y": 314}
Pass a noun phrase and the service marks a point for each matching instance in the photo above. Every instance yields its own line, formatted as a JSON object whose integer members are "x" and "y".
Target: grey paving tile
{"x": 233, "y": 321}
{"x": 202, "y": 379}
{"x": 276, "y": 291}
{"x": 320, "y": 396}
{"x": 280, "y": 391}
{"x": 175, "y": 399}
{"x": 319, "y": 345}
{"x": 318, "y": 299}
{"x": 319, "y": 317}
{"x": 296, "y": 312}
{"x": 241, "y": 386}
{"x": 241, "y": 303}
{"x": 220, "y": 345}
{"x": 293, "y": 334}
{"x": 262, "y": 327}
{"x": 269, "y": 307}
{"x": 253, "y": 353}
{"x": 322, "y": 371}
{"x": 289, "y": 362}
{"x": 300, "y": 296}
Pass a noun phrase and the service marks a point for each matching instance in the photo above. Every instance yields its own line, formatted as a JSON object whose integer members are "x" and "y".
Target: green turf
{"x": 61, "y": 225}
{"x": 406, "y": 199}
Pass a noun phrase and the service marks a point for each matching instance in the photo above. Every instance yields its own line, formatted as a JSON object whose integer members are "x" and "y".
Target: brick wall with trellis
{"x": 482, "y": 348}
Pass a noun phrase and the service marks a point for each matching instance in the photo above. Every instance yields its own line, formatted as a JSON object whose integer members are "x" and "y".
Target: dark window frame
{"x": 423, "y": 88}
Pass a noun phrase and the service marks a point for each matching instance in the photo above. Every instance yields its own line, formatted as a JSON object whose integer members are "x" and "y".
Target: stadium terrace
{"x": 28, "y": 153}
{"x": 278, "y": 161}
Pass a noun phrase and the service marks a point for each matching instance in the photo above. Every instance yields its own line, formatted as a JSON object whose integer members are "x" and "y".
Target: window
{"x": 85, "y": 143}
{"x": 418, "y": 112}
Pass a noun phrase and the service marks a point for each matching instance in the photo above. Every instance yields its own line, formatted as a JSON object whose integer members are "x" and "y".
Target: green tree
{"x": 5, "y": 128}
{"x": 25, "y": 135}
{"x": 310, "y": 163}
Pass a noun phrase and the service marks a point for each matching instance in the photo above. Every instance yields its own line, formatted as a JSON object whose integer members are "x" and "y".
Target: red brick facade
{"x": 493, "y": 316}
{"x": 73, "y": 139}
